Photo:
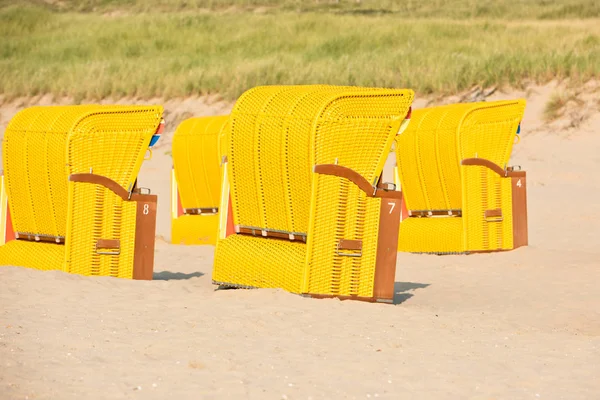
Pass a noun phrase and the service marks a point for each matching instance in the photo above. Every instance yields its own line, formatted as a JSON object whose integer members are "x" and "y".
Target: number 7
{"x": 393, "y": 205}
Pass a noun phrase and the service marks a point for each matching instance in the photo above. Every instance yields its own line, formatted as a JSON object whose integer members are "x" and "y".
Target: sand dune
{"x": 518, "y": 325}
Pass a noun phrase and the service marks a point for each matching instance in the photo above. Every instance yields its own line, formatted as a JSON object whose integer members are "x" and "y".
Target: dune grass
{"x": 555, "y": 106}
{"x": 101, "y": 53}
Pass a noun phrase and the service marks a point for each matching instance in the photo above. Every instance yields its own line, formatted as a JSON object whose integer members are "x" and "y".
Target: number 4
{"x": 519, "y": 183}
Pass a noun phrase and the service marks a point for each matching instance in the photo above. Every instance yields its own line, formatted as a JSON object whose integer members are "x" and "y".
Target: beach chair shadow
{"x": 402, "y": 290}
{"x": 175, "y": 276}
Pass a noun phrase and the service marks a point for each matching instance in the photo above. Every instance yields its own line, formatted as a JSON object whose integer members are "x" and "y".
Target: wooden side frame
{"x": 519, "y": 208}
{"x": 387, "y": 249}
{"x": 145, "y": 229}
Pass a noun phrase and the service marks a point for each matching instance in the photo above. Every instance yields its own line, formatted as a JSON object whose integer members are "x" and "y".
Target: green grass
{"x": 504, "y": 9}
{"x": 87, "y": 50}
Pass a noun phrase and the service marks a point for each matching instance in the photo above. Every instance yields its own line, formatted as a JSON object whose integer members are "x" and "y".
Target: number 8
{"x": 146, "y": 209}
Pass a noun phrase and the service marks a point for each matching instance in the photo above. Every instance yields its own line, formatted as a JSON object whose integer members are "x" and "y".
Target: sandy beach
{"x": 523, "y": 324}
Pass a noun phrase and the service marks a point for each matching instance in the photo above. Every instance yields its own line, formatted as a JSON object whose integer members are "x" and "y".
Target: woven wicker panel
{"x": 342, "y": 211}
{"x": 488, "y": 131}
{"x": 485, "y": 190}
{"x": 38, "y": 255}
{"x": 260, "y": 263}
{"x": 98, "y": 213}
{"x": 432, "y": 235}
{"x": 196, "y": 161}
{"x": 110, "y": 141}
{"x": 34, "y": 159}
{"x": 269, "y": 156}
{"x": 427, "y": 158}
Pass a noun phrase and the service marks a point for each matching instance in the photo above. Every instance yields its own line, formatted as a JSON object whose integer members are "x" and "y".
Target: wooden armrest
{"x": 109, "y": 184}
{"x": 357, "y": 179}
{"x": 482, "y": 162}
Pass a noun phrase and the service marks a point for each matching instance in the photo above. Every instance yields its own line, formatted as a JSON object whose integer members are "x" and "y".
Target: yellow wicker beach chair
{"x": 303, "y": 166}
{"x": 196, "y": 181}
{"x": 70, "y": 175}
{"x": 460, "y": 195}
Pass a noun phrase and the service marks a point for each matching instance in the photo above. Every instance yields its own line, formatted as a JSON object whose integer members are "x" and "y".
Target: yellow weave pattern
{"x": 431, "y": 235}
{"x": 111, "y": 141}
{"x": 342, "y": 211}
{"x": 34, "y": 159}
{"x": 43, "y": 256}
{"x": 269, "y": 157}
{"x": 429, "y": 153}
{"x": 488, "y": 130}
{"x": 259, "y": 263}
{"x": 276, "y": 135}
{"x": 485, "y": 190}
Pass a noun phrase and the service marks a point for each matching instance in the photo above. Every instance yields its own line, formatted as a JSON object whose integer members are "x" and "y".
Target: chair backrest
{"x": 276, "y": 134}
{"x": 437, "y": 139}
{"x": 269, "y": 158}
{"x": 196, "y": 161}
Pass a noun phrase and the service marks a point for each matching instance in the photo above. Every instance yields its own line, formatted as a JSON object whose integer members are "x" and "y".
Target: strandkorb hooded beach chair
{"x": 460, "y": 195}
{"x": 303, "y": 166}
{"x": 70, "y": 175}
{"x": 196, "y": 181}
